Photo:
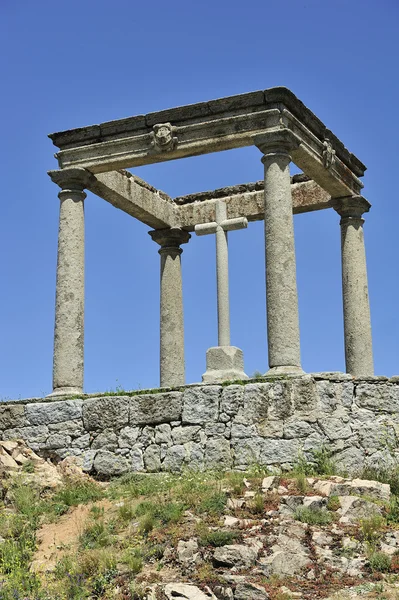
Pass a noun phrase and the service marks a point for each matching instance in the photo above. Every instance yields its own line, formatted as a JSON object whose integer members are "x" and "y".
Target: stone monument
{"x": 284, "y": 130}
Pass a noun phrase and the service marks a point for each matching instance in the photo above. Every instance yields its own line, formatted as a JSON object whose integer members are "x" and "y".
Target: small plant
{"x": 95, "y": 535}
{"x": 371, "y": 530}
{"x": 301, "y": 483}
{"x": 126, "y": 512}
{"x": 133, "y": 560}
{"x": 324, "y": 465}
{"x": 74, "y": 493}
{"x": 218, "y": 538}
{"x": 28, "y": 467}
{"x": 379, "y": 561}
{"x": 213, "y": 504}
{"x": 258, "y": 504}
{"x": 333, "y": 503}
{"x": 393, "y": 510}
{"x": 146, "y": 523}
{"x": 312, "y": 516}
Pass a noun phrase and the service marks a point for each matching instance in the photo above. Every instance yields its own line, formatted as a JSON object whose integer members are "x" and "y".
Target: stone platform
{"x": 268, "y": 422}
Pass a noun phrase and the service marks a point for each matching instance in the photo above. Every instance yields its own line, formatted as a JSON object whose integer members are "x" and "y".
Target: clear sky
{"x": 79, "y": 62}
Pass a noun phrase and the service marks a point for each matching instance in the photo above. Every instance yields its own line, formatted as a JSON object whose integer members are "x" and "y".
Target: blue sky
{"x": 71, "y": 64}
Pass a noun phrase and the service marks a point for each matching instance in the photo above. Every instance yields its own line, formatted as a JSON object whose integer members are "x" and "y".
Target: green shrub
{"x": 95, "y": 535}
{"x": 218, "y": 538}
{"x": 146, "y": 523}
{"x": 323, "y": 463}
{"x": 390, "y": 476}
{"x": 333, "y": 503}
{"x": 213, "y": 504}
{"x": 301, "y": 483}
{"x": 371, "y": 529}
{"x": 379, "y": 561}
{"x": 312, "y": 516}
{"x": 74, "y": 493}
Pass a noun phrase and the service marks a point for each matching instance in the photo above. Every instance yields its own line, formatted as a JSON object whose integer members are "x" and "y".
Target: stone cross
{"x": 224, "y": 358}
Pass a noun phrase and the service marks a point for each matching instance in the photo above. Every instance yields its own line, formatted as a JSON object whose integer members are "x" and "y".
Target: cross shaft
{"x": 220, "y": 227}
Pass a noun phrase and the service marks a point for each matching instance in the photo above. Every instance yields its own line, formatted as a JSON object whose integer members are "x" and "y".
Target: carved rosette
{"x": 163, "y": 138}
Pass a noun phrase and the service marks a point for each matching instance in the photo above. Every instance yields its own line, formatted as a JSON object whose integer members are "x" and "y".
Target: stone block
{"x": 57, "y": 440}
{"x": 152, "y": 458}
{"x": 106, "y": 440}
{"x": 150, "y": 409}
{"x": 188, "y": 433}
{"x": 12, "y": 416}
{"x": 201, "y": 404}
{"x": 109, "y": 464}
{"x": 136, "y": 459}
{"x": 232, "y": 399}
{"x": 105, "y": 413}
{"x": 44, "y": 413}
{"x": 217, "y": 453}
{"x": 224, "y": 363}
{"x": 163, "y": 434}
{"x": 378, "y": 397}
{"x": 128, "y": 437}
{"x": 174, "y": 459}
{"x": 36, "y": 434}
{"x": 73, "y": 428}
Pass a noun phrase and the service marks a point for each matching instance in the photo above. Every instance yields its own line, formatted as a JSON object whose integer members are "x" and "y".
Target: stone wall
{"x": 213, "y": 426}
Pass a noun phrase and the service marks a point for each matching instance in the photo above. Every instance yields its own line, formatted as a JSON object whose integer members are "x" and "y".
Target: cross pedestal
{"x": 223, "y": 362}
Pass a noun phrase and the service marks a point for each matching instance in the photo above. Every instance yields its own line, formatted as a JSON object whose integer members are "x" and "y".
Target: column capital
{"x": 351, "y": 207}
{"x": 170, "y": 238}
{"x": 280, "y": 141}
{"x": 73, "y": 178}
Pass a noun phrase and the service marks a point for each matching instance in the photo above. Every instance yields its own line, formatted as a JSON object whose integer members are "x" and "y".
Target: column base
{"x": 284, "y": 370}
{"x": 65, "y": 391}
{"x": 224, "y": 363}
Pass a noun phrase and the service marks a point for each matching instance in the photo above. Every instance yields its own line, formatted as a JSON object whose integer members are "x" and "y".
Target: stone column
{"x": 281, "y": 287}
{"x": 69, "y": 303}
{"x": 172, "y": 326}
{"x": 357, "y": 324}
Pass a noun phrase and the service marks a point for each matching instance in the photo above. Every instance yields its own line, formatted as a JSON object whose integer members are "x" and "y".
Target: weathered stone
{"x": 128, "y": 437}
{"x": 382, "y": 397}
{"x": 250, "y": 591}
{"x": 109, "y": 465}
{"x": 217, "y": 453}
{"x": 57, "y": 440}
{"x": 163, "y": 434}
{"x": 174, "y": 458}
{"x": 152, "y": 458}
{"x": 188, "y": 552}
{"x": 81, "y": 442}
{"x": 106, "y": 440}
{"x": 12, "y": 416}
{"x": 45, "y": 413}
{"x": 232, "y": 399}
{"x": 181, "y": 435}
{"x": 156, "y": 408}
{"x": 136, "y": 459}
{"x": 73, "y": 428}
{"x": 37, "y": 434}
{"x": 185, "y": 591}
{"x": 105, "y": 413}
{"x": 201, "y": 404}
{"x": 235, "y": 555}
{"x": 353, "y": 509}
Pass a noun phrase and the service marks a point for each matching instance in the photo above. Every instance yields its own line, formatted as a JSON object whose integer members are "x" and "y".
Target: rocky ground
{"x": 220, "y": 536}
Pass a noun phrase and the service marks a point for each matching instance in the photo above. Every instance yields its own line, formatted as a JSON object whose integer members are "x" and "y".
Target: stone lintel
{"x": 135, "y": 197}
{"x": 247, "y": 200}
{"x": 211, "y": 127}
